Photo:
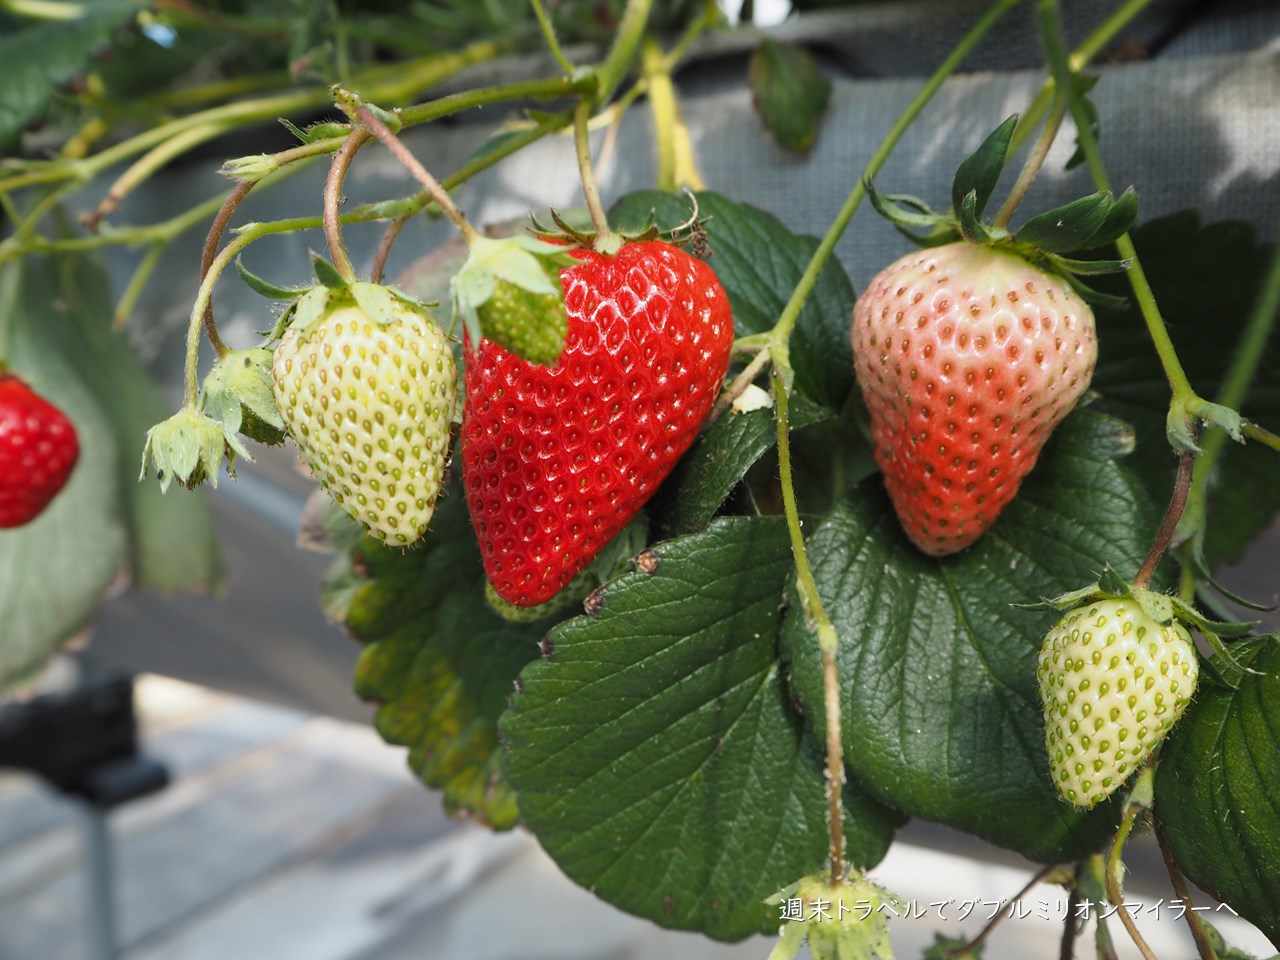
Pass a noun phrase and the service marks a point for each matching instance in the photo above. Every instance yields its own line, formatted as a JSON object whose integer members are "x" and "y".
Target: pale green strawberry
{"x": 1113, "y": 682}
{"x": 367, "y": 390}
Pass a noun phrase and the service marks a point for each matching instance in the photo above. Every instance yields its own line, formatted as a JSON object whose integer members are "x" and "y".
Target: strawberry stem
{"x": 1198, "y": 933}
{"x": 1035, "y": 160}
{"x": 815, "y": 618}
{"x": 389, "y": 237}
{"x": 981, "y": 937}
{"x": 1177, "y": 503}
{"x": 606, "y": 241}
{"x": 1134, "y": 809}
{"x": 333, "y": 201}
{"x": 411, "y": 163}
{"x": 549, "y": 34}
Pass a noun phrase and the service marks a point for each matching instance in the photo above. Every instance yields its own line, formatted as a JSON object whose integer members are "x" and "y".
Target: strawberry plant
{"x": 660, "y": 539}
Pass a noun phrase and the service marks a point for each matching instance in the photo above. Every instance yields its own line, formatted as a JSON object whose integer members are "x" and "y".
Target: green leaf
{"x": 266, "y": 288}
{"x": 656, "y": 751}
{"x": 327, "y": 274}
{"x": 716, "y": 464}
{"x": 438, "y": 662}
{"x": 971, "y": 226}
{"x": 40, "y": 60}
{"x": 1119, "y": 221}
{"x": 942, "y": 718}
{"x": 1068, "y": 227}
{"x": 903, "y": 210}
{"x": 759, "y": 261}
{"x": 1088, "y": 268}
{"x": 1205, "y": 278}
{"x": 789, "y": 91}
{"x": 1218, "y": 790}
{"x": 1081, "y": 85}
{"x": 980, "y": 171}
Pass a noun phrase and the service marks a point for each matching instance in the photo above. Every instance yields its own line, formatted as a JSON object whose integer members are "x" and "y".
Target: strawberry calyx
{"x": 1046, "y": 240}
{"x": 508, "y": 291}
{"x": 237, "y": 391}
{"x": 189, "y": 447}
{"x": 383, "y": 304}
{"x": 1165, "y": 609}
{"x": 843, "y": 918}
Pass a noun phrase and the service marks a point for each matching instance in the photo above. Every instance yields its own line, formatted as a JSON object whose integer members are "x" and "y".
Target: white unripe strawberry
{"x": 1113, "y": 682}
{"x": 369, "y": 400}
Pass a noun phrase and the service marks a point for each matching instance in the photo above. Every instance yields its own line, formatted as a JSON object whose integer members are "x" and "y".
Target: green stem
{"x": 623, "y": 52}
{"x": 137, "y": 283}
{"x": 484, "y": 96}
{"x": 394, "y": 83}
{"x": 1235, "y": 387}
{"x": 139, "y": 172}
{"x": 606, "y": 241}
{"x": 662, "y": 104}
{"x": 1033, "y": 164}
{"x": 411, "y": 163}
{"x": 1114, "y": 863}
{"x": 549, "y": 34}
{"x": 1080, "y": 58}
{"x": 791, "y": 312}
{"x": 1059, "y": 64}
{"x": 981, "y": 937}
{"x": 816, "y": 618}
{"x": 54, "y": 10}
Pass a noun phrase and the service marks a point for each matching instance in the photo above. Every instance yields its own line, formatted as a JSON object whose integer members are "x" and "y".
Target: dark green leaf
{"x": 40, "y": 60}
{"x": 1095, "y": 297}
{"x": 790, "y": 92}
{"x": 980, "y": 171}
{"x": 266, "y": 288}
{"x": 1218, "y": 790}
{"x": 1119, "y": 221}
{"x": 1205, "y": 278}
{"x": 942, "y": 715}
{"x": 439, "y": 662}
{"x": 717, "y": 462}
{"x": 1089, "y": 268}
{"x": 1068, "y": 227}
{"x": 970, "y": 224}
{"x": 759, "y": 261}
{"x": 327, "y": 273}
{"x": 656, "y": 751}
{"x": 1082, "y": 85}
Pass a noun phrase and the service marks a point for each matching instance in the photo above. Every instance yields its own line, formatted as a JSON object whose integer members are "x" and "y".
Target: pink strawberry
{"x": 557, "y": 459}
{"x": 968, "y": 357}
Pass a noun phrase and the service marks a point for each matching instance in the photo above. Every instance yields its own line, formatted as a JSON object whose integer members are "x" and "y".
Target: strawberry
{"x": 38, "y": 449}
{"x": 968, "y": 357}
{"x": 1113, "y": 682}
{"x": 557, "y": 459}
{"x": 365, "y": 383}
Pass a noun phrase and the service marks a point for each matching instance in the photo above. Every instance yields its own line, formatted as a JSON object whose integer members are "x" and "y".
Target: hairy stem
{"x": 549, "y": 34}
{"x": 1033, "y": 164}
{"x": 606, "y": 240}
{"x": 623, "y": 52}
{"x": 145, "y": 167}
{"x": 1235, "y": 388}
{"x": 411, "y": 163}
{"x": 1113, "y": 867}
{"x": 1071, "y": 925}
{"x": 1198, "y": 932}
{"x": 333, "y": 201}
{"x": 817, "y": 620}
{"x": 389, "y": 237}
{"x": 1060, "y": 66}
{"x": 1177, "y": 503}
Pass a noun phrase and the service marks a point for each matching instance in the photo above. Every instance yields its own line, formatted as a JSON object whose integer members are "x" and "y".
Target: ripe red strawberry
{"x": 967, "y": 357}
{"x": 38, "y": 449}
{"x": 557, "y": 459}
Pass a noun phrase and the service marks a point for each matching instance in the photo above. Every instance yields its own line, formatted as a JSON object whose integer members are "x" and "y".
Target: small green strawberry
{"x": 189, "y": 447}
{"x": 1113, "y": 681}
{"x": 508, "y": 291}
{"x": 365, "y": 382}
{"x": 844, "y": 920}
{"x": 238, "y": 392}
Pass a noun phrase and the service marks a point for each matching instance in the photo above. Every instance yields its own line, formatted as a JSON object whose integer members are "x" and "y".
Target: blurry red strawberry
{"x": 38, "y": 449}
{"x": 558, "y": 459}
